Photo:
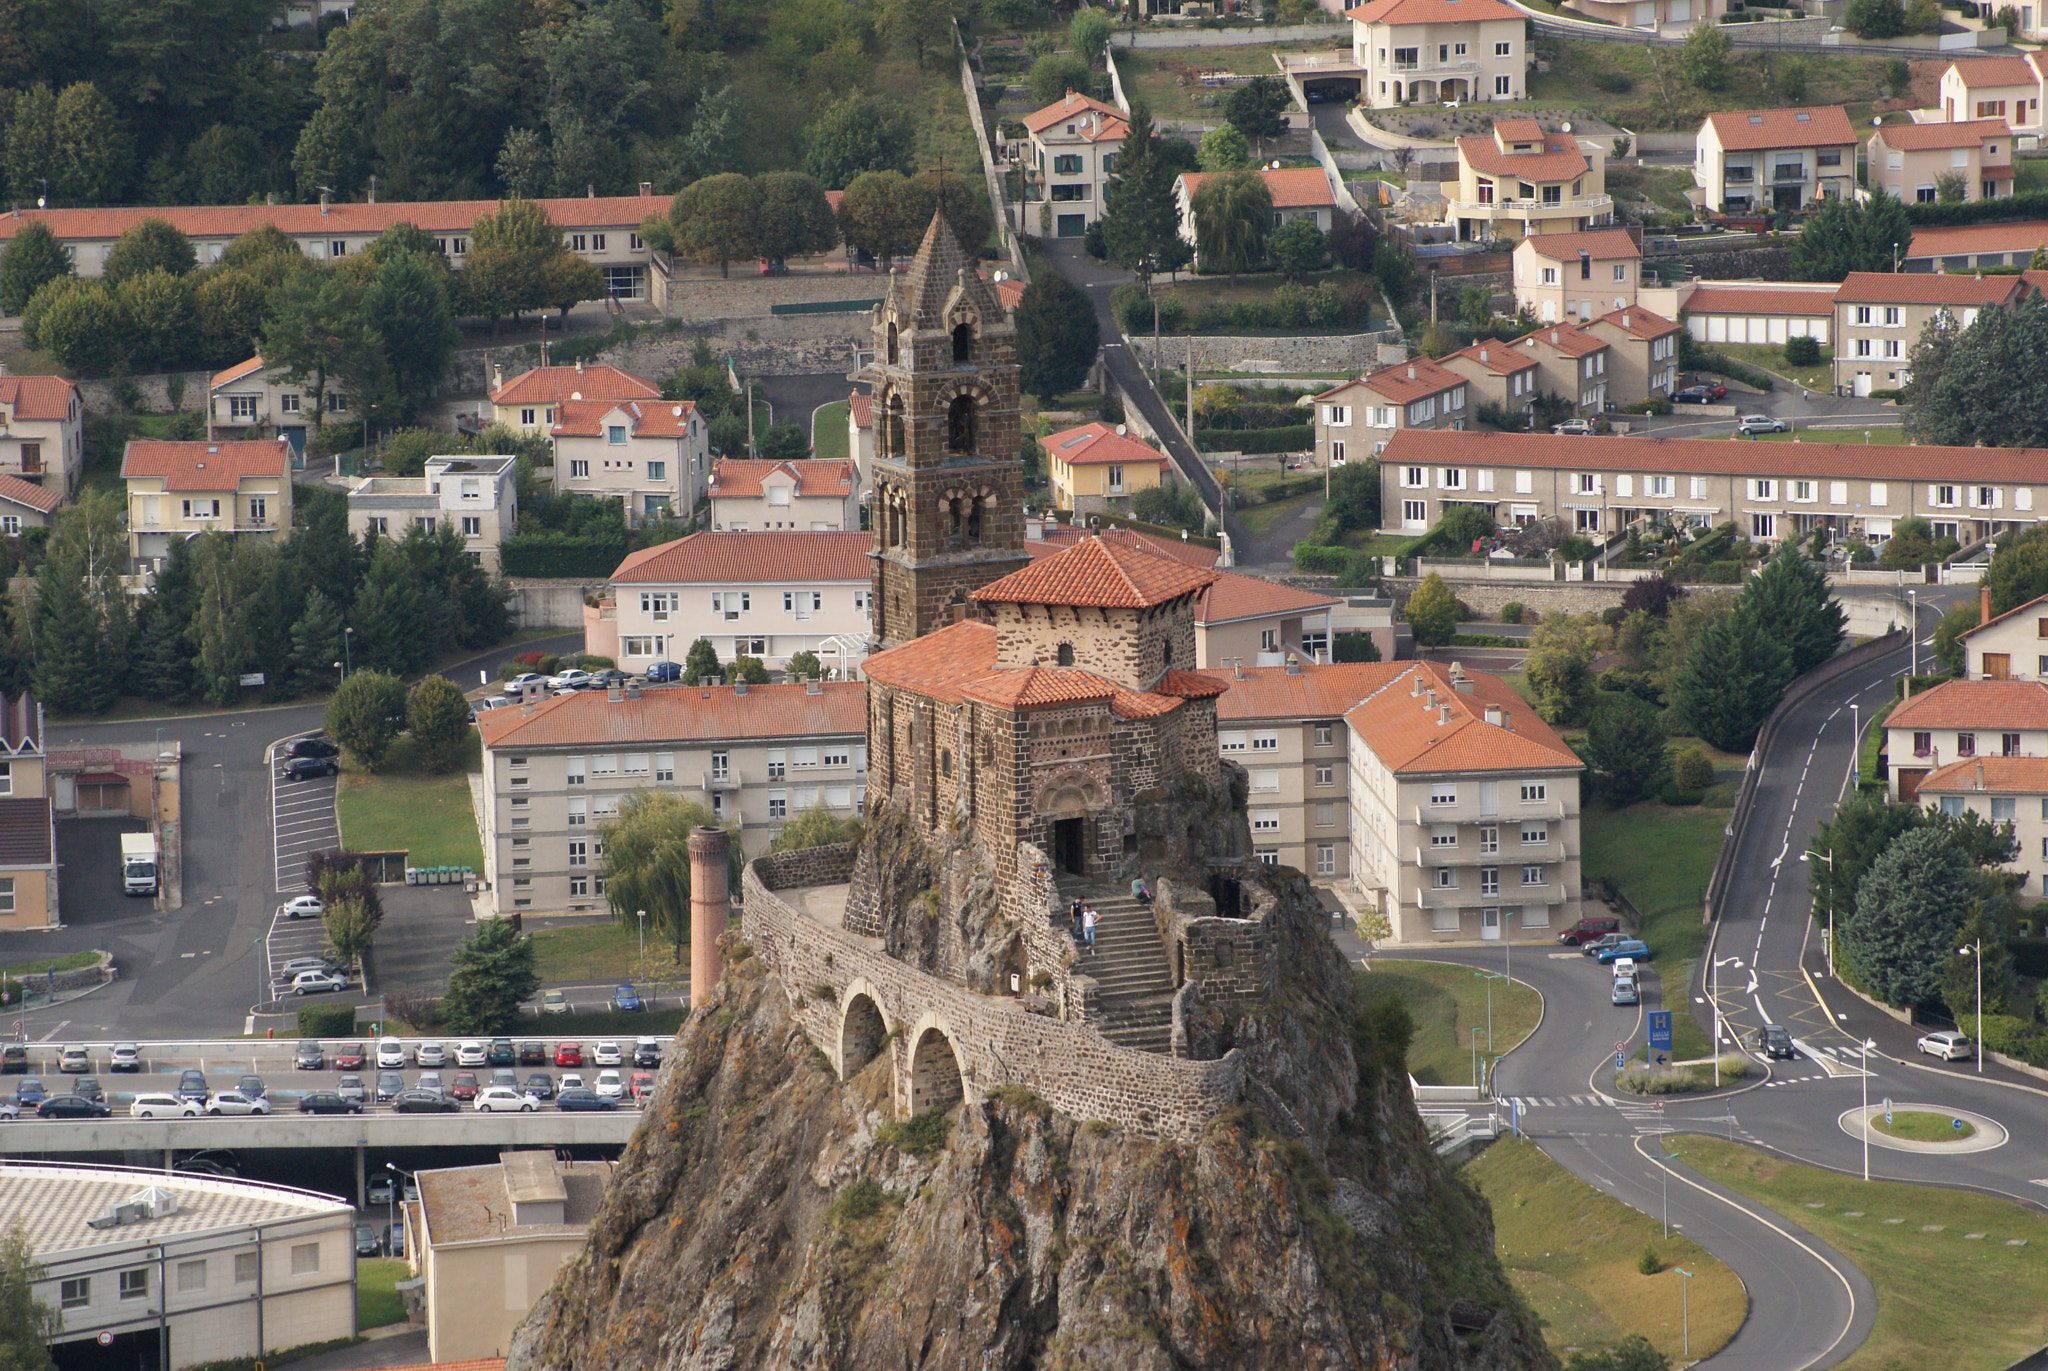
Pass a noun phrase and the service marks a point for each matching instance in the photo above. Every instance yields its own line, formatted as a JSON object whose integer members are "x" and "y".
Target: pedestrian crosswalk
{"x": 1555, "y": 1101}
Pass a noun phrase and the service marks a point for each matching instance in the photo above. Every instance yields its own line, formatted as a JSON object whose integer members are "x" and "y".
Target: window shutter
{"x": 1933, "y": 494}
{"x": 1624, "y": 485}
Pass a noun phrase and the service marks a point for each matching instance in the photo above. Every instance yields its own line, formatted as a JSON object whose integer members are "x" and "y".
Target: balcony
{"x": 1510, "y": 854}
{"x": 1511, "y": 812}
{"x": 1591, "y": 206}
{"x": 1458, "y": 66}
{"x": 720, "y": 780}
{"x": 1511, "y": 896}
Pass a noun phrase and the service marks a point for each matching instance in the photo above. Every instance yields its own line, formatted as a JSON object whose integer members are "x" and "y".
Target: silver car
{"x": 1950, "y": 1047}
{"x": 350, "y": 1088}
{"x": 235, "y": 1102}
{"x": 1759, "y": 423}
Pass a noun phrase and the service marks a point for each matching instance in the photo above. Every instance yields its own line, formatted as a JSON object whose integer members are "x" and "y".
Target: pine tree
{"x": 160, "y": 665}
{"x": 1141, "y": 222}
{"x": 1791, "y": 595}
{"x": 386, "y": 615}
{"x": 1734, "y": 675}
{"x": 71, "y": 670}
{"x": 316, "y": 644}
{"x": 494, "y": 974}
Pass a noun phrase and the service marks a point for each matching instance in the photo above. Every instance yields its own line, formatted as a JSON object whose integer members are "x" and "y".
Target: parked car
{"x": 367, "y": 1242}
{"x": 88, "y": 1086}
{"x": 350, "y": 1087}
{"x": 192, "y": 1085}
{"x": 572, "y": 1080}
{"x": 307, "y": 768}
{"x": 13, "y": 1059}
{"x": 1631, "y": 947}
{"x": 541, "y": 1085}
{"x": 554, "y": 1002}
{"x": 75, "y": 1061}
{"x": 429, "y": 1080}
{"x": 1759, "y": 423}
{"x": 640, "y": 1086}
{"x": 422, "y": 1102}
{"x": 430, "y": 1054}
{"x": 125, "y": 1057}
{"x": 1624, "y": 966}
{"x": 568, "y": 1054}
{"x": 611, "y": 678}
{"x": 309, "y": 1057}
{"x": 1602, "y": 943}
{"x": 252, "y": 1085}
{"x": 72, "y": 1107}
{"x": 390, "y": 1053}
{"x": 394, "y": 1238}
{"x": 503, "y": 1099}
{"x": 486, "y": 704}
{"x": 389, "y": 1083}
{"x": 1949, "y": 1046}
{"x": 1586, "y": 930}
{"x": 154, "y": 1105}
{"x": 608, "y": 1054}
{"x": 1624, "y": 991}
{"x": 318, "y": 982}
{"x": 1774, "y": 1041}
{"x": 302, "y": 907}
{"x": 1700, "y": 393}
{"x": 465, "y": 1086}
{"x": 581, "y": 1099}
{"x": 533, "y": 1054}
{"x": 1581, "y": 427}
{"x": 9, "y": 1110}
{"x": 647, "y": 1052}
{"x": 626, "y": 1000}
{"x": 349, "y": 1057}
{"x": 298, "y": 964}
{"x": 329, "y": 1102}
{"x": 30, "y": 1092}
{"x": 661, "y": 672}
{"x": 516, "y": 687}
{"x": 575, "y": 678}
{"x": 505, "y": 1076}
{"x": 381, "y": 1190}
{"x": 500, "y": 1053}
{"x": 610, "y": 1085}
{"x": 311, "y": 747}
{"x": 236, "y": 1102}
{"x": 471, "y": 1053}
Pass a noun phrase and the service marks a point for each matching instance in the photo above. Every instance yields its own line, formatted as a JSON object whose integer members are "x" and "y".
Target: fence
{"x": 825, "y": 307}
{"x": 990, "y": 171}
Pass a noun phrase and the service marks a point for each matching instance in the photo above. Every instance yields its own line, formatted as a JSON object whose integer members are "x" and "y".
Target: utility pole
{"x": 751, "y": 451}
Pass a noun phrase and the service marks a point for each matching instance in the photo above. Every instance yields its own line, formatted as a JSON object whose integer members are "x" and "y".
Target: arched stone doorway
{"x": 935, "y": 1084}
{"x": 1069, "y": 802}
{"x": 862, "y": 1032}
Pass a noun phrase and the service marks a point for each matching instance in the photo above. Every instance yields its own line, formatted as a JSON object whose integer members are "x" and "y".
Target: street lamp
{"x": 391, "y": 1205}
{"x": 1865, "y": 1051}
{"x": 347, "y": 653}
{"x": 1977, "y": 1050}
{"x": 1489, "y": 977}
{"x": 1685, "y": 1311}
{"x": 1475, "y": 1059}
{"x": 1714, "y": 994}
{"x": 643, "y": 934}
{"x": 1829, "y": 859}
{"x": 1913, "y": 632}
{"x": 1855, "y": 747}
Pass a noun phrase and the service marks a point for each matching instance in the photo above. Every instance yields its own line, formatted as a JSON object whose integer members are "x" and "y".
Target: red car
{"x": 465, "y": 1086}
{"x": 641, "y": 1086}
{"x": 348, "y": 1057}
{"x": 568, "y": 1054}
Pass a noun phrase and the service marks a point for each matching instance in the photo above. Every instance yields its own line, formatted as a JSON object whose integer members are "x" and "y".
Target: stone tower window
{"x": 892, "y": 343}
{"x": 960, "y": 423}
{"x": 945, "y": 762}
{"x": 963, "y": 341}
{"x": 1066, "y": 654}
{"x": 973, "y": 521}
{"x": 893, "y": 439}
{"x": 1168, "y": 655}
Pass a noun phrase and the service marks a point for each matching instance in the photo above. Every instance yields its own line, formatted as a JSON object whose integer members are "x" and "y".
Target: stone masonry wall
{"x": 1352, "y": 352}
{"x": 1231, "y": 959}
{"x": 1129, "y": 646}
{"x": 1486, "y": 597}
{"x": 1079, "y": 1072}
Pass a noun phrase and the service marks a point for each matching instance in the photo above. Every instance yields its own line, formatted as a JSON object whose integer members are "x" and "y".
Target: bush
{"x": 1294, "y": 438}
{"x": 1612, "y": 81}
{"x": 1649, "y": 1264}
{"x": 1802, "y": 351}
{"x": 1511, "y": 612}
{"x": 1691, "y": 769}
{"x": 327, "y": 1021}
{"x": 1674, "y": 796}
{"x": 1319, "y": 560}
{"x": 1656, "y": 404}
{"x": 921, "y": 1134}
{"x": 562, "y": 555}
{"x": 1355, "y": 646}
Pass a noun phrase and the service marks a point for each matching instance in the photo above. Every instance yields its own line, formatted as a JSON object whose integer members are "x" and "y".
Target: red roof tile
{"x": 740, "y": 479}
{"x": 1231, "y": 597}
{"x": 1739, "y": 297}
{"x": 1098, "y": 444}
{"x": 553, "y": 385}
{"x": 1566, "y": 338}
{"x": 1061, "y": 536}
{"x": 1927, "y": 288}
{"x": 679, "y": 714}
{"x": 1602, "y": 245}
{"x": 1431, "y": 11}
{"x": 1964, "y": 133}
{"x": 1099, "y": 574}
{"x": 645, "y": 419}
{"x": 1412, "y": 739}
{"x": 37, "y": 397}
{"x": 1291, "y": 187}
{"x": 861, "y": 407}
{"x": 1638, "y": 322}
{"x": 1990, "y": 705}
{"x": 957, "y": 663}
{"x": 236, "y": 372}
{"x": 1518, "y": 131}
{"x": 2034, "y": 603}
{"x": 1069, "y": 106}
{"x": 1314, "y": 692}
{"x": 1995, "y": 775}
{"x": 1995, "y": 71}
{"x": 744, "y": 558}
{"x": 1497, "y": 357}
{"x": 1010, "y": 291}
{"x": 1559, "y": 158}
{"x": 1752, "y": 130}
{"x": 201, "y": 465}
{"x": 44, "y": 498}
{"x": 1024, "y": 687}
{"x": 1403, "y": 381}
{"x": 335, "y": 220}
{"x": 1447, "y": 447}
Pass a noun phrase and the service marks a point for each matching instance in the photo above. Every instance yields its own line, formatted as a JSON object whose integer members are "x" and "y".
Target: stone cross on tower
{"x": 948, "y": 472}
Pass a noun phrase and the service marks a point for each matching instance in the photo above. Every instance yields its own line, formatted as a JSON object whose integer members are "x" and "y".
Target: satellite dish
{"x": 1121, "y": 430}
{"x": 1877, "y": 121}
{"x": 42, "y": 203}
{"x": 1565, "y": 127}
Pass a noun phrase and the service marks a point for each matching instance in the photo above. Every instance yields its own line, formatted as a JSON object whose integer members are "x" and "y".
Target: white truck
{"x": 138, "y": 863}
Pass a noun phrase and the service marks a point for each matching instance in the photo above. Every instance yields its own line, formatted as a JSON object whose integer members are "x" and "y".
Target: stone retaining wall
{"x": 823, "y": 968}
{"x": 1486, "y": 597}
{"x": 1232, "y": 960}
{"x": 1350, "y": 352}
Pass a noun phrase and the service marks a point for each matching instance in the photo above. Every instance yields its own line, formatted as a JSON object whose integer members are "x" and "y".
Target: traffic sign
{"x": 1660, "y": 1030}
{"x": 1620, "y": 1058}
{"x": 1957, "y": 1124}
{"x": 106, "y": 1337}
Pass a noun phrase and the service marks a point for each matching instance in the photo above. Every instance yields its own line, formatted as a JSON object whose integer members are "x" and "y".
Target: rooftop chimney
{"x": 1553, "y": 335}
{"x": 1624, "y": 319}
{"x": 646, "y": 188}
{"x": 813, "y": 685}
{"x": 710, "y": 908}
{"x": 1238, "y": 667}
{"x": 614, "y": 695}
{"x": 497, "y": 375}
{"x": 1293, "y": 665}
{"x": 323, "y": 202}
{"x": 1443, "y": 714}
{"x": 579, "y": 366}
{"x": 632, "y": 692}
{"x": 739, "y": 685}
{"x": 1493, "y": 715}
{"x": 1415, "y": 683}
{"x": 1482, "y": 354}
{"x": 1411, "y": 371}
{"x": 1983, "y": 604}
{"x": 1980, "y": 775}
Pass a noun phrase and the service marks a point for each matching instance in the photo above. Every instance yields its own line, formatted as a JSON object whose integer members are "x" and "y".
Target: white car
{"x": 610, "y": 1086}
{"x": 470, "y": 1053}
{"x": 497, "y": 1099}
{"x": 608, "y": 1054}
{"x": 235, "y": 1102}
{"x": 154, "y": 1106}
{"x": 571, "y": 1081}
{"x": 516, "y": 687}
{"x": 390, "y": 1054}
{"x": 304, "y": 907}
{"x": 1624, "y": 966}
{"x": 1950, "y": 1047}
{"x": 315, "y": 982}
{"x": 572, "y": 679}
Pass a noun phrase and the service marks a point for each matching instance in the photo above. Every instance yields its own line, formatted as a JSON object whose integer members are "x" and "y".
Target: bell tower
{"x": 948, "y": 504}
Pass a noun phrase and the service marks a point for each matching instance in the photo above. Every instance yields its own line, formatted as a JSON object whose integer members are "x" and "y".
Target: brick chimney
{"x": 710, "y": 908}
{"x": 1983, "y": 604}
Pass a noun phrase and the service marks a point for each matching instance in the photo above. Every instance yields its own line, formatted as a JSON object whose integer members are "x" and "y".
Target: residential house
{"x": 1911, "y": 161}
{"x": 860, "y": 437}
{"x": 256, "y": 402}
{"x": 527, "y": 403}
{"x": 1999, "y": 790}
{"x": 1354, "y": 419}
{"x": 1464, "y": 809}
{"x": 765, "y": 595}
{"x": 178, "y": 489}
{"x": 1298, "y": 193}
{"x": 1962, "y": 721}
{"x": 1571, "y": 362}
{"x": 1748, "y": 311}
{"x": 1770, "y": 490}
{"x": 476, "y": 496}
{"x": 491, "y": 1241}
{"x": 1500, "y": 375}
{"x": 42, "y": 431}
{"x": 1773, "y": 161}
{"x": 1655, "y": 16}
{"x": 1959, "y": 247}
{"x": 1642, "y": 353}
{"x": 2012, "y": 646}
{"x": 1095, "y": 468}
{"x": 652, "y": 456}
{"x": 28, "y": 835}
{"x": 1073, "y": 143}
{"x": 1425, "y": 51}
{"x": 1245, "y": 620}
{"x": 555, "y": 769}
{"x": 1577, "y": 275}
{"x": 814, "y": 496}
{"x": 1879, "y": 316}
{"x": 1521, "y": 180}
{"x": 2007, "y": 88}
{"x": 24, "y": 504}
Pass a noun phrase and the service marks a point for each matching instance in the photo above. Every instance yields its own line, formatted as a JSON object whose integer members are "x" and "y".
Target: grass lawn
{"x": 1918, "y": 1125}
{"x": 1944, "y": 1298}
{"x": 1664, "y": 187}
{"x": 1447, "y": 1002}
{"x": 1572, "y": 1252}
{"x": 828, "y": 432}
{"x": 1820, "y": 376}
{"x": 1660, "y": 856}
{"x": 1253, "y": 287}
{"x": 377, "y": 1299}
{"x": 1873, "y": 739}
{"x": 600, "y": 950}
{"x": 1880, "y": 437}
{"x": 70, "y": 961}
{"x": 1168, "y": 79}
{"x": 402, "y": 806}
{"x": 2029, "y": 174}
{"x": 1666, "y": 104}
{"x": 1259, "y": 518}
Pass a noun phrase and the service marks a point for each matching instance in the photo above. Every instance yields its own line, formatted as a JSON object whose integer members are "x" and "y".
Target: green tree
{"x": 792, "y": 218}
{"x": 228, "y": 307}
{"x": 350, "y": 924}
{"x": 917, "y": 24}
{"x": 437, "y": 717}
{"x": 2019, "y": 569}
{"x": 157, "y": 307}
{"x": 801, "y": 664}
{"x": 1258, "y": 109}
{"x": 365, "y": 714}
{"x": 1625, "y": 744}
{"x": 314, "y": 331}
{"x": 494, "y": 975}
{"x": 92, "y": 152}
{"x": 1354, "y": 502}
{"x": 1704, "y": 56}
{"x": 818, "y": 827}
{"x": 879, "y": 214}
{"x": 1560, "y": 665}
{"x": 1842, "y": 236}
{"x": 27, "y": 1325}
{"x": 752, "y": 670}
{"x": 1968, "y": 403}
{"x": 1088, "y": 33}
{"x": 937, "y": 190}
{"x": 1734, "y": 675}
{"x": 317, "y": 644}
{"x": 1950, "y": 186}
{"x": 1432, "y": 612}
{"x": 856, "y": 134}
{"x": 1909, "y": 915}
{"x": 33, "y": 256}
{"x": 1233, "y": 217}
{"x": 1875, "y": 18}
{"x": 1691, "y": 769}
{"x": 1057, "y": 336}
{"x": 1225, "y": 148}
{"x": 224, "y": 165}
{"x": 1170, "y": 505}
{"x": 714, "y": 219}
{"x": 151, "y": 245}
{"x": 646, "y": 862}
{"x": 1140, "y": 219}
{"x": 1056, "y": 73}
{"x": 1298, "y": 248}
{"x": 391, "y": 634}
{"x": 1792, "y": 595}
{"x": 701, "y": 662}
{"x": 1863, "y": 826}
{"x": 406, "y": 303}
{"x": 1959, "y": 972}
{"x": 82, "y": 327}
{"x": 29, "y": 153}
{"x": 70, "y": 671}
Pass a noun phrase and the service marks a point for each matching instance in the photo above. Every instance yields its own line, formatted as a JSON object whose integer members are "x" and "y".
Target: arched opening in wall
{"x": 1070, "y": 844}
{"x": 960, "y": 424}
{"x": 963, "y": 341}
{"x": 892, "y": 344}
{"x": 934, "y": 1074}
{"x": 861, "y": 1034}
{"x": 1066, "y": 654}
{"x": 893, "y": 438}
{"x": 973, "y": 521}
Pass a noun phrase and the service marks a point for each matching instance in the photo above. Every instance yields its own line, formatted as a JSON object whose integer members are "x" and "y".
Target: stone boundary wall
{"x": 1486, "y": 597}
{"x": 1232, "y": 960}
{"x": 1075, "y": 1069}
{"x": 1348, "y": 352}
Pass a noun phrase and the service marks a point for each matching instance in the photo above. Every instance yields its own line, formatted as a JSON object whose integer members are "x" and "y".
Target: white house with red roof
{"x": 1765, "y": 161}
{"x": 42, "y": 431}
{"x": 1355, "y": 419}
{"x": 250, "y": 400}
{"x": 1073, "y": 144}
{"x": 808, "y": 496}
{"x": 1298, "y": 193}
{"x": 1424, "y": 51}
{"x": 24, "y": 504}
{"x": 1095, "y": 468}
{"x": 1577, "y": 275}
{"x": 1963, "y": 721}
{"x": 860, "y": 437}
{"x": 651, "y": 455}
{"x": 1879, "y": 316}
{"x": 1523, "y": 180}
{"x": 2007, "y": 88}
{"x": 1749, "y": 311}
{"x": 528, "y": 401}
{"x": 179, "y": 489}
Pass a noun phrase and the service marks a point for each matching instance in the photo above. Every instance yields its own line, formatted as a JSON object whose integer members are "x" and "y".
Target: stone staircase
{"x": 1135, "y": 1002}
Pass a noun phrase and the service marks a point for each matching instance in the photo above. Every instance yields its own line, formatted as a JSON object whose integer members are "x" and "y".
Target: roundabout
{"x": 1923, "y": 1128}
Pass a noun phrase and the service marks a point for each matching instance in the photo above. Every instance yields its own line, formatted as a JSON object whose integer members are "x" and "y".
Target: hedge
{"x": 327, "y": 1020}
{"x": 1293, "y": 438}
{"x": 2012, "y": 1036}
{"x": 2032, "y": 205}
{"x": 561, "y": 554}
{"x": 1319, "y": 559}
{"x": 1708, "y": 360}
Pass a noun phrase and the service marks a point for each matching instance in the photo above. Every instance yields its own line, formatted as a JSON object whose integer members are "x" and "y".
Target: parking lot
{"x": 302, "y": 822}
{"x": 289, "y": 939}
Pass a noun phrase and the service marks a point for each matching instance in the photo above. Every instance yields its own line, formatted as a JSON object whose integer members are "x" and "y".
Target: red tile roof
{"x": 957, "y": 663}
{"x": 1403, "y": 381}
{"x": 37, "y": 397}
{"x": 1753, "y": 130}
{"x": 1232, "y": 597}
{"x": 862, "y": 408}
{"x": 1964, "y": 133}
{"x": 1558, "y": 160}
{"x": 1010, "y": 291}
{"x": 336, "y": 220}
{"x": 679, "y": 714}
{"x": 656, "y": 419}
{"x": 2035, "y": 603}
{"x": 1638, "y": 322}
{"x": 745, "y": 558}
{"x": 1990, "y": 705}
{"x": 1098, "y": 444}
{"x": 1060, "y": 536}
{"x": 1448, "y": 447}
{"x": 1291, "y": 187}
{"x": 1431, "y": 11}
{"x": 1927, "y": 288}
{"x": 201, "y": 465}
{"x": 1995, "y": 71}
{"x": 1412, "y": 739}
{"x": 1315, "y": 692}
{"x": 1997, "y": 775}
{"x": 1098, "y": 574}
{"x": 1070, "y": 106}
{"x": 1497, "y": 357}
{"x": 1738, "y": 297}
{"x": 1602, "y": 245}
{"x": 739, "y": 479}
{"x": 1565, "y": 338}
{"x": 1518, "y": 131}
{"x": 553, "y": 385}
{"x": 236, "y": 372}
{"x": 44, "y": 498}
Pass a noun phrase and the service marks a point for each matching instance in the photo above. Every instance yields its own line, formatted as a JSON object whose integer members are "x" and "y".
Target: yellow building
{"x": 1095, "y": 468}
{"x": 1520, "y": 181}
{"x": 28, "y": 842}
{"x": 178, "y": 489}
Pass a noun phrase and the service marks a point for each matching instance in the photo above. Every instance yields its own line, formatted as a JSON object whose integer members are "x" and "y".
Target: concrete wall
{"x": 1352, "y": 352}
{"x": 478, "y": 1292}
{"x": 549, "y": 602}
{"x": 1486, "y": 597}
{"x": 543, "y": 1128}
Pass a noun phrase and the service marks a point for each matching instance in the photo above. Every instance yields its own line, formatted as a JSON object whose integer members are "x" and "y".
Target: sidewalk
{"x": 1857, "y": 1019}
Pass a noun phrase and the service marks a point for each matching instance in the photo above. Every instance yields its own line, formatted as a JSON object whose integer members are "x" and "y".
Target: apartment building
{"x": 813, "y": 496}
{"x": 1962, "y": 721}
{"x": 1642, "y": 352}
{"x": 1999, "y": 790}
{"x": 1772, "y": 161}
{"x": 1072, "y": 147}
{"x": 860, "y": 437}
{"x": 765, "y": 595}
{"x": 28, "y": 836}
{"x": 2007, "y": 88}
{"x": 1245, "y": 620}
{"x": 1354, "y": 419}
{"x": 1424, "y": 51}
{"x": 1911, "y": 161}
{"x": 476, "y": 496}
{"x": 1522, "y": 180}
{"x": 555, "y": 770}
{"x": 1577, "y": 275}
{"x": 1747, "y": 311}
{"x": 1571, "y": 362}
{"x": 527, "y": 402}
{"x": 2012, "y": 646}
{"x": 42, "y": 431}
{"x": 1298, "y": 193}
{"x": 1096, "y": 468}
{"x": 1769, "y": 490}
{"x": 1500, "y": 375}
{"x": 258, "y": 402}
{"x": 1464, "y": 809}
{"x": 652, "y": 456}
{"x": 179, "y": 489}
{"x": 1960, "y": 247}
{"x": 1879, "y": 316}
